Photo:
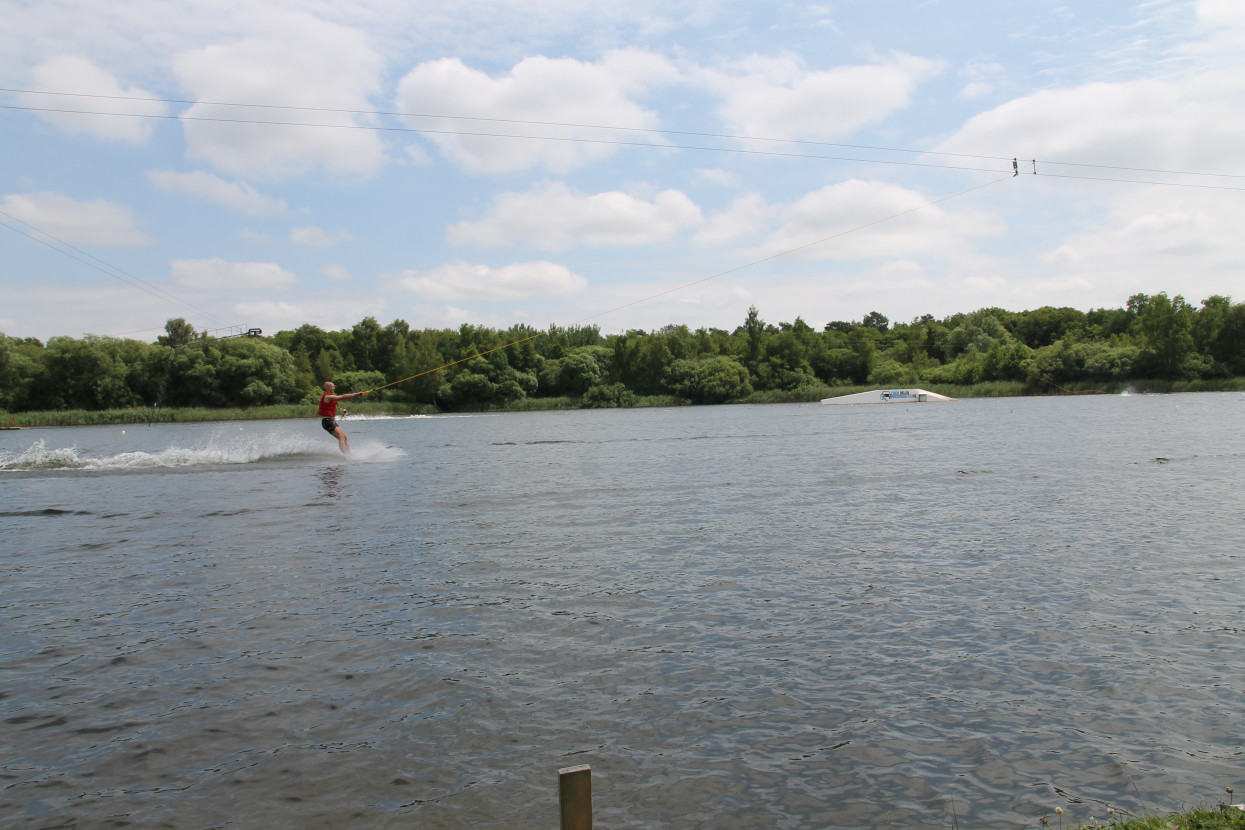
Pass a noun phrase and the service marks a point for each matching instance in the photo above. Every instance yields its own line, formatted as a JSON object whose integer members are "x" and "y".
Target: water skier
{"x": 328, "y": 414}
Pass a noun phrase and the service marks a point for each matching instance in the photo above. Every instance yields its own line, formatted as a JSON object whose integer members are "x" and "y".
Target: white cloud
{"x": 975, "y": 90}
{"x": 1153, "y": 239}
{"x": 314, "y": 236}
{"x": 718, "y": 176}
{"x": 294, "y": 60}
{"x": 212, "y": 188}
{"x": 980, "y": 79}
{"x": 894, "y": 277}
{"x": 846, "y": 216}
{"x": 538, "y": 89}
{"x": 98, "y": 91}
{"x": 553, "y": 217}
{"x": 457, "y": 281}
{"x": 744, "y": 215}
{"x": 336, "y": 273}
{"x": 98, "y": 222}
{"x": 98, "y": 306}
{"x": 1191, "y": 123}
{"x": 1226, "y": 21}
{"x": 776, "y": 97}
{"x": 222, "y": 274}
{"x": 451, "y": 317}
{"x": 985, "y": 284}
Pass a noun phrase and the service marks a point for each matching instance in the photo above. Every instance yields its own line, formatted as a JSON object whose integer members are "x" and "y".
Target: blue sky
{"x": 531, "y": 161}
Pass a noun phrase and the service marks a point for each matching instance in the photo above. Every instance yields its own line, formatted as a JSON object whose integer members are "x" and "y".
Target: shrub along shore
{"x": 1221, "y": 818}
{"x": 165, "y": 415}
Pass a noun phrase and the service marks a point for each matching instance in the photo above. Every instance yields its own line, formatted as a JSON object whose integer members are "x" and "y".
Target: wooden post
{"x": 575, "y": 797}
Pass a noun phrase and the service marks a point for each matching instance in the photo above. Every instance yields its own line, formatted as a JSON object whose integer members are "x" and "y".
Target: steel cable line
{"x": 1140, "y": 181}
{"x": 573, "y": 125}
{"x": 661, "y": 146}
{"x": 480, "y": 134}
{"x": 398, "y": 114}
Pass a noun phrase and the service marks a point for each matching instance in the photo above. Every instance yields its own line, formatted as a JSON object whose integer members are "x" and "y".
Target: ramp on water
{"x": 889, "y": 396}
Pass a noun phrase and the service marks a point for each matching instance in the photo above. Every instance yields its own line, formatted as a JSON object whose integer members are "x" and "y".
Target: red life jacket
{"x": 328, "y": 409}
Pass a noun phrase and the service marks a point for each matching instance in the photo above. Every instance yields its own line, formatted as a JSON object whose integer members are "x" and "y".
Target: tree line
{"x": 473, "y": 367}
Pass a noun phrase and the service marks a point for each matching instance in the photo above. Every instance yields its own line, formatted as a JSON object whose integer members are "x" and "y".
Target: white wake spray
{"x": 218, "y": 452}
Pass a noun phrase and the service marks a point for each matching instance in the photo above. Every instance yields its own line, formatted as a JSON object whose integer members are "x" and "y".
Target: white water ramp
{"x": 889, "y": 396}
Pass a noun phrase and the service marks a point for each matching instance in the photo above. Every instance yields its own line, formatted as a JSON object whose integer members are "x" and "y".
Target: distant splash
{"x": 347, "y": 419}
{"x": 218, "y": 453}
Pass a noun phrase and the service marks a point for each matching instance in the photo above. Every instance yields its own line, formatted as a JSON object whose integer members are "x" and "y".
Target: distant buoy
{"x": 123, "y": 432}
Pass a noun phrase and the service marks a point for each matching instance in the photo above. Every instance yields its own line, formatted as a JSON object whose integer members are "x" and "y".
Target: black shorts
{"x": 329, "y": 424}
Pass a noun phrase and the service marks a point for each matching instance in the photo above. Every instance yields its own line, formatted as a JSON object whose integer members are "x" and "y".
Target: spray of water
{"x": 219, "y": 452}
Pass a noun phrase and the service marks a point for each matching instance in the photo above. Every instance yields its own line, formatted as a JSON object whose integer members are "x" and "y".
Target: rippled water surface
{"x": 915, "y": 616}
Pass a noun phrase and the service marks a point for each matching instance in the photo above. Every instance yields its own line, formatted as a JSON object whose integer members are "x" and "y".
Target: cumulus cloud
{"x": 744, "y": 215}
{"x": 554, "y": 217}
{"x": 239, "y": 196}
{"x": 1173, "y": 124}
{"x": 98, "y": 222}
{"x": 457, "y": 281}
{"x": 556, "y": 91}
{"x": 839, "y": 214}
{"x": 220, "y": 273}
{"x": 98, "y": 91}
{"x": 314, "y": 236}
{"x": 294, "y": 60}
{"x": 777, "y": 97}
{"x": 1151, "y": 239}
{"x": 1226, "y": 20}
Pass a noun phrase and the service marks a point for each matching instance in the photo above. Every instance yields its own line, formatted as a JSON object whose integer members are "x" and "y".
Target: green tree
{"x": 1219, "y": 334}
{"x": 357, "y": 381}
{"x": 487, "y": 380}
{"x": 977, "y": 332}
{"x": 364, "y": 344}
{"x": 609, "y": 395}
{"x": 21, "y": 370}
{"x": 177, "y": 333}
{"x": 579, "y": 371}
{"x": 786, "y": 362}
{"x": 253, "y": 372}
{"x": 420, "y": 368}
{"x": 92, "y": 373}
{"x": 754, "y": 337}
{"x": 1166, "y": 332}
{"x": 303, "y": 369}
{"x": 876, "y": 320}
{"x": 1043, "y": 326}
{"x": 716, "y": 379}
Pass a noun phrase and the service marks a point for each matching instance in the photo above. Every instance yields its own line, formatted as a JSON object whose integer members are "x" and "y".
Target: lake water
{"x": 788, "y": 616}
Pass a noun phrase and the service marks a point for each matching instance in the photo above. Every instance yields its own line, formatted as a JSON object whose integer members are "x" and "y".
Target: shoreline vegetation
{"x": 1154, "y": 344}
{"x": 994, "y": 389}
{"x": 1223, "y": 817}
